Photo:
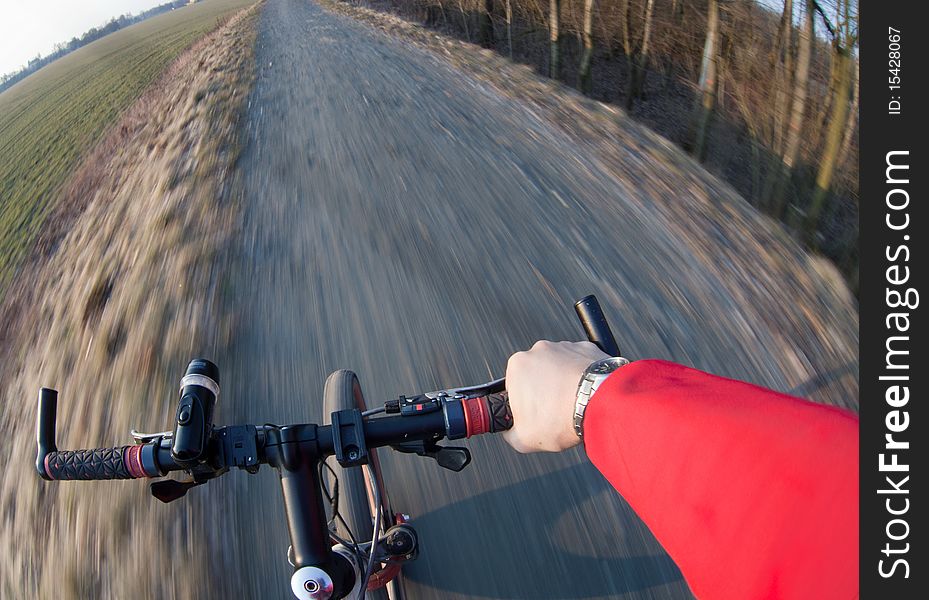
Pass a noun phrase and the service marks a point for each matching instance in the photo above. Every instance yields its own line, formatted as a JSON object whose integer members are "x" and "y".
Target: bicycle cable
{"x": 375, "y": 534}
{"x": 333, "y": 500}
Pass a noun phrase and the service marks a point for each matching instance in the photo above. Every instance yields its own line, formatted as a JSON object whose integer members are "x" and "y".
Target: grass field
{"x": 48, "y": 120}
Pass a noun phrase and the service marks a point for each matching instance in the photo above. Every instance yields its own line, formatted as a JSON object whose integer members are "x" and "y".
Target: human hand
{"x": 542, "y": 386}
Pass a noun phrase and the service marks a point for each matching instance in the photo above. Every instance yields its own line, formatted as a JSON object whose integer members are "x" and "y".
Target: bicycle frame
{"x": 318, "y": 568}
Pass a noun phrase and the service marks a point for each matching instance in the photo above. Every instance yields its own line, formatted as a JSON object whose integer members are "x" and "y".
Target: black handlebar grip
{"x": 501, "y": 418}
{"x": 595, "y": 326}
{"x": 98, "y": 463}
{"x": 487, "y": 414}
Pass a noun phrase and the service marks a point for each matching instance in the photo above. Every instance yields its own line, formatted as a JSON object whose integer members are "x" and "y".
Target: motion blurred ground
{"x": 415, "y": 210}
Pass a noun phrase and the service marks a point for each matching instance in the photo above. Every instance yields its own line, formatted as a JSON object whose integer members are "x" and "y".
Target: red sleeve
{"x": 753, "y": 493}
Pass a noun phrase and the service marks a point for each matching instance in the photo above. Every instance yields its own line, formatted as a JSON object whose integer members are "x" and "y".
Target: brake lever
{"x": 472, "y": 391}
{"x": 144, "y": 438}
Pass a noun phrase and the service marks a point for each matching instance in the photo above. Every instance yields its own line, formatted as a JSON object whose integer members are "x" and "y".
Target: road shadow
{"x": 823, "y": 381}
{"x": 516, "y": 530}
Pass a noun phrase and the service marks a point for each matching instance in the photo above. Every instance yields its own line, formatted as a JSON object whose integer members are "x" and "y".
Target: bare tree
{"x": 487, "y": 24}
{"x": 640, "y": 59}
{"x": 626, "y": 11}
{"x": 509, "y": 27}
{"x": 583, "y": 71}
{"x": 554, "y": 37}
{"x": 464, "y": 19}
{"x": 845, "y": 35}
{"x": 852, "y": 122}
{"x": 783, "y": 74}
{"x": 708, "y": 81}
{"x": 797, "y": 110}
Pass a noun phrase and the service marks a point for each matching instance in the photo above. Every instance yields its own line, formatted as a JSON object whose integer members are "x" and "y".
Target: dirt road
{"x": 406, "y": 221}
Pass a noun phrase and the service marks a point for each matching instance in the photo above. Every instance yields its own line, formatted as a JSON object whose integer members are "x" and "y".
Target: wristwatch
{"x": 593, "y": 376}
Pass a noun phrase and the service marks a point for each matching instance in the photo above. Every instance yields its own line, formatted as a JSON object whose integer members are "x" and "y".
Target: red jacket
{"x": 753, "y": 493}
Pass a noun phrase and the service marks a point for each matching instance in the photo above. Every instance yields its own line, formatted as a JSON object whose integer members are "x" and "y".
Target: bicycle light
{"x": 194, "y": 419}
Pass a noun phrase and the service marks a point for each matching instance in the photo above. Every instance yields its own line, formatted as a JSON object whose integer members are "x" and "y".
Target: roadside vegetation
{"x": 125, "y": 291}
{"x": 51, "y": 119}
{"x": 764, "y": 94}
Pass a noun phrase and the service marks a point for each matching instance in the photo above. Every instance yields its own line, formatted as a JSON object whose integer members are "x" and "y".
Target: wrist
{"x": 595, "y": 374}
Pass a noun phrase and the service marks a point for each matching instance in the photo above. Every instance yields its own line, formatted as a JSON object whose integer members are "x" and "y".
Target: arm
{"x": 753, "y": 493}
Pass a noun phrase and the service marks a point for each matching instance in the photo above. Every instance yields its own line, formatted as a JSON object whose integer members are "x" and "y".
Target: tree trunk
{"x": 782, "y": 75}
{"x": 487, "y": 24}
{"x": 509, "y": 27}
{"x": 583, "y": 71}
{"x": 464, "y": 19}
{"x": 852, "y": 124}
{"x": 708, "y": 79}
{"x": 429, "y": 15}
{"x": 800, "y": 87}
{"x": 834, "y": 135}
{"x": 782, "y": 78}
{"x": 554, "y": 36}
{"x": 627, "y": 39}
{"x": 822, "y": 117}
{"x": 797, "y": 110}
{"x": 640, "y": 61}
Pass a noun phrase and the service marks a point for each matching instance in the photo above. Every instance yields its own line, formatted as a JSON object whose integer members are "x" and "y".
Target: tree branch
{"x": 822, "y": 14}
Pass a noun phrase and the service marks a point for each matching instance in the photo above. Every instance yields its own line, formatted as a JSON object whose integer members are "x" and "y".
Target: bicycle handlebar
{"x": 205, "y": 451}
{"x": 465, "y": 412}
{"x": 242, "y": 446}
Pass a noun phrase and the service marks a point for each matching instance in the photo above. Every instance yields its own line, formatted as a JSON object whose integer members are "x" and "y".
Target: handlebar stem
{"x": 306, "y": 514}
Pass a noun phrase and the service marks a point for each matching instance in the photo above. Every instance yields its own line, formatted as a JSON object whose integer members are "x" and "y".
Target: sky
{"x": 30, "y": 27}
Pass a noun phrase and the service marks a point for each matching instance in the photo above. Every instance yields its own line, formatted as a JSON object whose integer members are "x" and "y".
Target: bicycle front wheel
{"x": 355, "y": 504}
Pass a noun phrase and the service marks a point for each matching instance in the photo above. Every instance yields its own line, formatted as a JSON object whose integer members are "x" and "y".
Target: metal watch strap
{"x": 593, "y": 376}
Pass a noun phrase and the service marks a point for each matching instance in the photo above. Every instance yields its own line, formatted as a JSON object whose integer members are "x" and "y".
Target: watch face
{"x": 607, "y": 365}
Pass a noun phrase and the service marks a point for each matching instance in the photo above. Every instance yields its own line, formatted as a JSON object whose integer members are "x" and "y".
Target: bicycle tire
{"x": 343, "y": 391}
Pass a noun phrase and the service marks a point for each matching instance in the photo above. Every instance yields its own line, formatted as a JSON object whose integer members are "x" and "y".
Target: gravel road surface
{"x": 405, "y": 221}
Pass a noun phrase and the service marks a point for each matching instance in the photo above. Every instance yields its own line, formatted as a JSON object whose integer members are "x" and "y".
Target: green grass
{"x": 48, "y": 120}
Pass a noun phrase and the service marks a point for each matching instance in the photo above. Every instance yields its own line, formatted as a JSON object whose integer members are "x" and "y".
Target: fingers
{"x": 542, "y": 387}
